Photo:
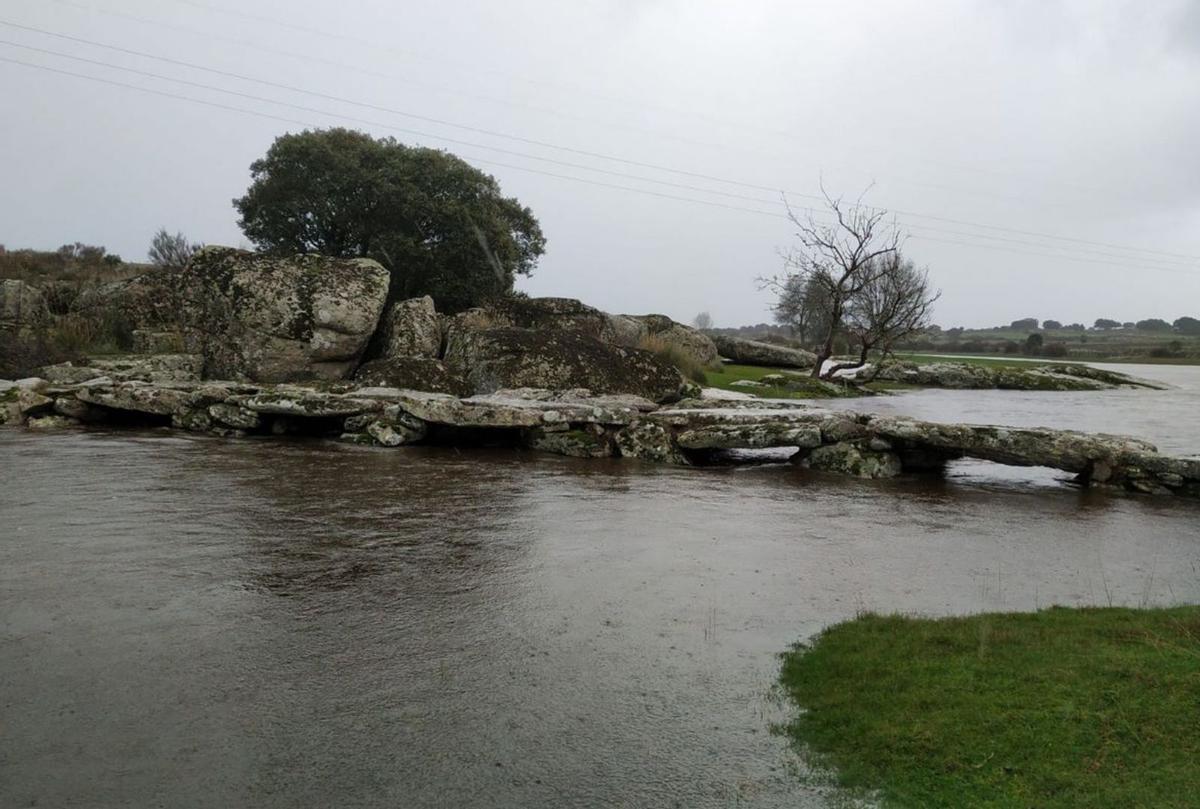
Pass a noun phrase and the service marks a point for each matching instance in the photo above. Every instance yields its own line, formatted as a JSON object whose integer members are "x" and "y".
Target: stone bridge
{"x": 576, "y": 423}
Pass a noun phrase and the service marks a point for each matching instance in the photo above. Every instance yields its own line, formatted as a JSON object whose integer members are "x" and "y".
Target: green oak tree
{"x": 439, "y": 225}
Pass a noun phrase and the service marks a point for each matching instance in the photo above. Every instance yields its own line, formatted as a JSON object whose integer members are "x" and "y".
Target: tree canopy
{"x": 1153, "y": 324}
{"x": 439, "y": 225}
{"x": 848, "y": 278}
{"x": 1187, "y": 325}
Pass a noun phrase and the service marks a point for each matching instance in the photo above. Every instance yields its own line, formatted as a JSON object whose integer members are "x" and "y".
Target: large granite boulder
{"x": 562, "y": 314}
{"x": 623, "y": 330}
{"x": 22, "y": 305}
{"x": 692, "y": 343}
{"x": 412, "y": 373}
{"x": 511, "y": 357}
{"x": 148, "y": 302}
{"x": 411, "y": 329}
{"x": 273, "y": 319}
{"x": 754, "y": 352}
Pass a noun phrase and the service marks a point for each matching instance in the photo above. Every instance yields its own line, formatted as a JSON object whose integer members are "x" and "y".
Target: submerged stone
{"x": 848, "y": 459}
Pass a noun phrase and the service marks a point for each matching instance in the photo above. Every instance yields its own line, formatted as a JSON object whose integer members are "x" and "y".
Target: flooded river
{"x": 192, "y": 622}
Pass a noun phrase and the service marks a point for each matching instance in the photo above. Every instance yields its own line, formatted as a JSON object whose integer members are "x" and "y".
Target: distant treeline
{"x": 1031, "y": 337}
{"x": 1182, "y": 325}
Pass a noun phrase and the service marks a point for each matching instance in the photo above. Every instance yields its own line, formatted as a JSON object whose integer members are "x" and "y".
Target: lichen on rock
{"x": 279, "y": 319}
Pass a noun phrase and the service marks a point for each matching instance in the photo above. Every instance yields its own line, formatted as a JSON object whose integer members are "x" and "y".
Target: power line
{"x": 473, "y": 68}
{"x": 258, "y": 114}
{"x": 1178, "y": 271}
{"x": 571, "y": 88}
{"x": 428, "y": 119}
{"x": 314, "y": 59}
{"x": 582, "y": 152}
{"x": 379, "y": 124}
{"x": 262, "y": 99}
{"x": 310, "y": 58}
{"x": 647, "y": 192}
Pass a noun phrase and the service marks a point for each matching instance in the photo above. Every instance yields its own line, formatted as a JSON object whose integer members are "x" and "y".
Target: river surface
{"x": 194, "y": 622}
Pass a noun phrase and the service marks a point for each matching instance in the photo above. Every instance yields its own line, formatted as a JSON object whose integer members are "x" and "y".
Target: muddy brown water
{"x": 192, "y": 622}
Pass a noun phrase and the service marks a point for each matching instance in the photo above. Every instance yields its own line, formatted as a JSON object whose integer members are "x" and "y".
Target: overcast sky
{"x": 1074, "y": 120}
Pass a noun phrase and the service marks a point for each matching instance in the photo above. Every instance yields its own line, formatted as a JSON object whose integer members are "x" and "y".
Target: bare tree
{"x": 894, "y": 303}
{"x": 839, "y": 260}
{"x": 171, "y": 251}
{"x": 802, "y": 306}
{"x": 703, "y": 321}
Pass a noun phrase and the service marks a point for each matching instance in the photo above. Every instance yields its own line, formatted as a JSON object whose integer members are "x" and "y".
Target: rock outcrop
{"x": 413, "y": 373}
{"x": 22, "y": 306}
{"x": 270, "y": 319}
{"x": 512, "y": 357}
{"x": 148, "y": 302}
{"x": 411, "y": 328}
{"x": 754, "y": 352}
{"x": 581, "y": 424}
{"x": 623, "y": 330}
{"x": 146, "y": 341}
{"x": 144, "y": 368}
{"x": 692, "y": 343}
{"x": 1051, "y": 377}
{"x": 558, "y": 314}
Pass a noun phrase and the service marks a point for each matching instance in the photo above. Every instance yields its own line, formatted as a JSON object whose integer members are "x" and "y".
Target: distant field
{"x": 1118, "y": 345}
{"x": 986, "y": 361}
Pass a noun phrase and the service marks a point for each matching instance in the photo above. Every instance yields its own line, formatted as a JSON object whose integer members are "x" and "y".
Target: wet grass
{"x": 1058, "y": 708}
{"x": 987, "y": 362}
{"x": 797, "y": 384}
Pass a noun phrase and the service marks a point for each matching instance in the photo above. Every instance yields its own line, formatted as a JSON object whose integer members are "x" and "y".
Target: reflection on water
{"x": 195, "y": 622}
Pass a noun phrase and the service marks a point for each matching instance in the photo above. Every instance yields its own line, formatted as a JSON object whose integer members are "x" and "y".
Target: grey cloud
{"x": 1077, "y": 119}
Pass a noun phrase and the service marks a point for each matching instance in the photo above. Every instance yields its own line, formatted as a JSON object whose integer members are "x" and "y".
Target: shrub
{"x": 22, "y": 355}
{"x": 1172, "y": 349}
{"x": 1055, "y": 350}
{"x": 171, "y": 251}
{"x": 674, "y": 354}
{"x": 61, "y": 297}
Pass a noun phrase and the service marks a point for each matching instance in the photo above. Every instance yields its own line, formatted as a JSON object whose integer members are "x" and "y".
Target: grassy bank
{"x": 1059, "y": 708}
{"x": 794, "y": 384}
{"x": 987, "y": 362}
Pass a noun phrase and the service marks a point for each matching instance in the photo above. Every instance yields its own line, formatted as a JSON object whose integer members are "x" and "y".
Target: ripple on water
{"x": 198, "y": 622}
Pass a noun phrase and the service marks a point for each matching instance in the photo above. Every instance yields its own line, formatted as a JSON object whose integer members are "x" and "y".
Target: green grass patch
{"x": 986, "y": 362}
{"x": 797, "y": 385}
{"x": 1060, "y": 708}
